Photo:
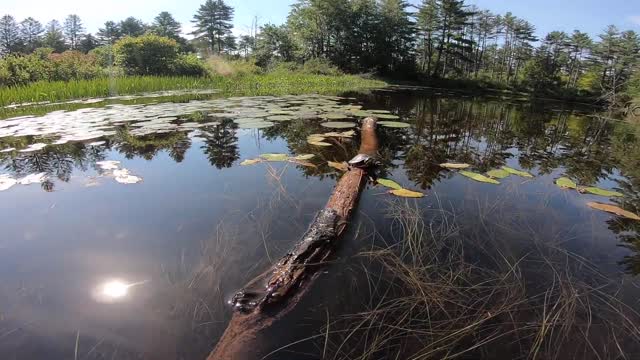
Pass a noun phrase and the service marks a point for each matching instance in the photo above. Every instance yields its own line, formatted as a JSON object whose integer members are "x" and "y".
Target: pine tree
{"x": 132, "y": 27}
{"x": 53, "y": 37}
{"x": 10, "y": 40}
{"x": 73, "y": 31}
{"x": 110, "y": 33}
{"x": 31, "y": 32}
{"x": 88, "y": 43}
{"x": 213, "y": 23}
{"x": 165, "y": 25}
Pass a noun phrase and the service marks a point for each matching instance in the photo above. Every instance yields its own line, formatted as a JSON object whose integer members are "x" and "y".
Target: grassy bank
{"x": 249, "y": 84}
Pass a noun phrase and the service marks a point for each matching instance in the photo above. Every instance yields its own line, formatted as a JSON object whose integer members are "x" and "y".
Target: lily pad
{"x": 334, "y": 116}
{"x": 406, "y": 193}
{"x": 301, "y": 162}
{"x": 498, "y": 173}
{"x": 124, "y": 177}
{"x": 6, "y": 182}
{"x": 274, "y": 157}
{"x": 338, "y": 124}
{"x": 455, "y": 165}
{"x": 517, "y": 172}
{"x": 32, "y": 179}
{"x": 304, "y": 157}
{"x": 256, "y": 125}
{"x": 342, "y": 166}
{"x": 614, "y": 210}
{"x": 394, "y": 124}
{"x": 387, "y": 116}
{"x": 280, "y": 118}
{"x": 600, "y": 192}
{"x": 389, "y": 183}
{"x": 318, "y": 143}
{"x": 566, "y": 183}
{"x": 108, "y": 164}
{"x": 250, "y": 162}
{"x": 479, "y": 177}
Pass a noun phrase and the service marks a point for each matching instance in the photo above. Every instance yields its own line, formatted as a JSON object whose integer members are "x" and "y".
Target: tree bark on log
{"x": 270, "y": 296}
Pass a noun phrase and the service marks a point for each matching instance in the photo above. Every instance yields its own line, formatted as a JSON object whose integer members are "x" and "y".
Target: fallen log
{"x": 267, "y": 298}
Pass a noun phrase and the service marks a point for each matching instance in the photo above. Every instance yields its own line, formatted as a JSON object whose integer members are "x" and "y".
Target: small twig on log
{"x": 275, "y": 292}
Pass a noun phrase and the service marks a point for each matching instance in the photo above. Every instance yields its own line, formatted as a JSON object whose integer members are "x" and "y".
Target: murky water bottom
{"x": 93, "y": 268}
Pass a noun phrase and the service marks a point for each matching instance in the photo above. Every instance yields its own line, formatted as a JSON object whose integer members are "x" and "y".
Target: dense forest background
{"x": 436, "y": 41}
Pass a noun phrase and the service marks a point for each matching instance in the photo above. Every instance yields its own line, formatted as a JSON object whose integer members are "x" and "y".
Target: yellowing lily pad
{"x": 517, "y": 172}
{"x": 338, "y": 124}
{"x": 394, "y": 124}
{"x": 600, "y": 192}
{"x": 566, "y": 183}
{"x": 406, "y": 193}
{"x": 387, "y": 116}
{"x": 389, "y": 183}
{"x": 318, "y": 143}
{"x": 274, "y": 157}
{"x": 479, "y": 177}
{"x": 304, "y": 157}
{"x": 455, "y": 166}
{"x": 498, "y": 173}
{"x": 614, "y": 210}
{"x": 342, "y": 166}
{"x": 250, "y": 162}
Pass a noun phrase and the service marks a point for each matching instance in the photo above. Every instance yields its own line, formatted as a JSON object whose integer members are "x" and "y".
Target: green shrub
{"x": 73, "y": 65}
{"x": 189, "y": 65}
{"x": 146, "y": 55}
{"x": 23, "y": 69}
{"x": 104, "y": 55}
{"x": 317, "y": 66}
{"x": 283, "y": 66}
{"x": 221, "y": 66}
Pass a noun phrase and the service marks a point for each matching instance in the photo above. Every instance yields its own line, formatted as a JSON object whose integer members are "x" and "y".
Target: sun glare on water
{"x": 115, "y": 289}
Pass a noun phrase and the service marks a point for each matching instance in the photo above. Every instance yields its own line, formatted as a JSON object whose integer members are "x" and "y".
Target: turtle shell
{"x": 360, "y": 160}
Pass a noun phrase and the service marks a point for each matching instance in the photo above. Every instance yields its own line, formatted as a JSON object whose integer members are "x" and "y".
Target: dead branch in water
{"x": 274, "y": 293}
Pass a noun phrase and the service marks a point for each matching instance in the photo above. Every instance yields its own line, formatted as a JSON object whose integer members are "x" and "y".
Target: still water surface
{"x": 94, "y": 268}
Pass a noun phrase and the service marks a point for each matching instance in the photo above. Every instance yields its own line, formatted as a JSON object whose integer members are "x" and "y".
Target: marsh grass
{"x": 244, "y": 84}
{"x": 441, "y": 294}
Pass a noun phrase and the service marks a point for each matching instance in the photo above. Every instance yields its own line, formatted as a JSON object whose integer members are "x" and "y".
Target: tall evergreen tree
{"x": 53, "y": 37}
{"x": 110, "y": 33}
{"x": 31, "y": 32}
{"x": 132, "y": 27}
{"x": 10, "y": 40}
{"x": 213, "y": 22}
{"x": 73, "y": 31}
{"x": 165, "y": 25}
{"x": 88, "y": 43}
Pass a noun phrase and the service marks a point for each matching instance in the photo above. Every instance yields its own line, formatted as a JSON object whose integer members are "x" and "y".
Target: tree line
{"x": 436, "y": 39}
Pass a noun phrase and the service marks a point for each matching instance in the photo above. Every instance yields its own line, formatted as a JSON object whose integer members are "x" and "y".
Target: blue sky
{"x": 591, "y": 16}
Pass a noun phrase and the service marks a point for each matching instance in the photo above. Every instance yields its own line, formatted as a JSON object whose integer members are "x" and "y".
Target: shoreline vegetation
{"x": 247, "y": 84}
{"x": 436, "y": 43}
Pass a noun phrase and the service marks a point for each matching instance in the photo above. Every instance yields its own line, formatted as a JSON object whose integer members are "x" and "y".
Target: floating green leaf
{"x": 455, "y": 165}
{"x": 389, "y": 183}
{"x": 342, "y": 166}
{"x": 516, "y": 172}
{"x": 406, "y": 193}
{"x": 338, "y": 124}
{"x": 479, "y": 177}
{"x": 394, "y": 124}
{"x": 318, "y": 143}
{"x": 250, "y": 162}
{"x": 334, "y": 116}
{"x": 387, "y": 116}
{"x": 601, "y": 192}
{"x": 280, "y": 118}
{"x": 566, "y": 183}
{"x": 256, "y": 125}
{"x": 274, "y": 157}
{"x": 498, "y": 173}
{"x": 304, "y": 157}
{"x": 614, "y": 210}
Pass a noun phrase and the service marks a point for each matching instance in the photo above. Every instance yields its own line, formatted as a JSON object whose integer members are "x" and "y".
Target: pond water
{"x": 138, "y": 221}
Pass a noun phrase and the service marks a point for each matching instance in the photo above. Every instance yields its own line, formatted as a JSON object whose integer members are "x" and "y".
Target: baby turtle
{"x": 363, "y": 161}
